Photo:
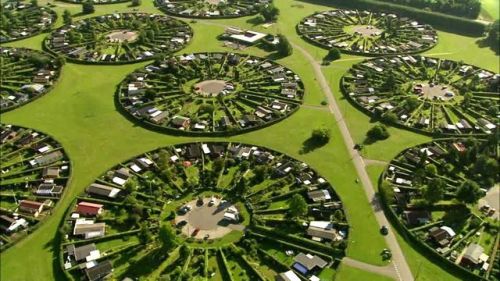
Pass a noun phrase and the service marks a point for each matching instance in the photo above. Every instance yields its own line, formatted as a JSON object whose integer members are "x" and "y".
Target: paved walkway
{"x": 401, "y": 268}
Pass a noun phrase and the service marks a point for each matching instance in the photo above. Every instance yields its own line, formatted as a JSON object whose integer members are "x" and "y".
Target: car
{"x": 211, "y": 202}
{"x": 199, "y": 202}
{"x": 195, "y": 232}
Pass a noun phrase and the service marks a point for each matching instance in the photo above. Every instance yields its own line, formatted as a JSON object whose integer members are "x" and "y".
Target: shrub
{"x": 88, "y": 7}
{"x": 378, "y": 132}
{"x": 136, "y": 3}
{"x": 269, "y": 12}
{"x": 333, "y": 54}
{"x": 321, "y": 135}
{"x": 284, "y": 47}
{"x": 67, "y": 19}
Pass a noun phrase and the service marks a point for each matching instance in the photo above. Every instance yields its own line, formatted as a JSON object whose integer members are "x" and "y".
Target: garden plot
{"x": 367, "y": 33}
{"x": 210, "y": 8}
{"x": 119, "y": 38}
{"x": 97, "y": 2}
{"x": 434, "y": 191}
{"x": 211, "y": 93}
{"x": 34, "y": 174}
{"x": 426, "y": 94}
{"x": 26, "y": 75}
{"x": 23, "y": 19}
{"x": 145, "y": 217}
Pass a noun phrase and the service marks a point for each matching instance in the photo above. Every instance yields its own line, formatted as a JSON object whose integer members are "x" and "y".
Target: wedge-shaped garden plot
{"x": 223, "y": 211}
{"x": 119, "y": 38}
{"x": 26, "y": 75}
{"x": 444, "y": 194}
{"x": 367, "y": 33}
{"x": 210, "y": 8}
{"x": 425, "y": 94}
{"x": 34, "y": 173}
{"x": 211, "y": 93}
{"x": 23, "y": 19}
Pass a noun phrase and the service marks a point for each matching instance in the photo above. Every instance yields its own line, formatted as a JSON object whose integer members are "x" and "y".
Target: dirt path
{"x": 387, "y": 270}
{"x": 401, "y": 269}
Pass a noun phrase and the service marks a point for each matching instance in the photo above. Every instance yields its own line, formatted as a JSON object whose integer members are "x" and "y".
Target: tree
{"x": 67, "y": 19}
{"x": 284, "y": 47}
{"x": 167, "y": 237}
{"x": 269, "y": 12}
{"x": 136, "y": 3}
{"x": 390, "y": 117}
{"x": 333, "y": 54}
{"x": 39, "y": 60}
{"x": 431, "y": 169}
{"x": 434, "y": 191}
{"x": 469, "y": 192}
{"x": 34, "y": 3}
{"x": 321, "y": 135}
{"x": 378, "y": 132}
{"x": 261, "y": 173}
{"x": 297, "y": 205}
{"x": 493, "y": 37}
{"x": 88, "y": 7}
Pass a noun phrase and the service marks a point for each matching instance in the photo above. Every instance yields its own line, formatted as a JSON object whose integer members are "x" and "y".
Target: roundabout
{"x": 367, "y": 33}
{"x": 210, "y": 8}
{"x": 180, "y": 205}
{"x": 430, "y": 95}
{"x": 21, "y": 20}
{"x": 26, "y": 75}
{"x": 211, "y": 93}
{"x": 119, "y": 38}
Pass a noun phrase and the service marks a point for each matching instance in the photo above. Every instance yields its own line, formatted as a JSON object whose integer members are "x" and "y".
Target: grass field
{"x": 347, "y": 273}
{"x": 489, "y": 10}
{"x": 81, "y": 114}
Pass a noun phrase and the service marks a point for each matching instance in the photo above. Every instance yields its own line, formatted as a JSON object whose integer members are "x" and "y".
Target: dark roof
{"x": 309, "y": 261}
{"x": 193, "y": 151}
{"x": 414, "y": 217}
{"x": 81, "y": 252}
{"x": 100, "y": 271}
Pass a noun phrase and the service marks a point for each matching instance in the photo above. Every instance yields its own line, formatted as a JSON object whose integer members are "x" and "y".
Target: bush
{"x": 67, "y": 19}
{"x": 333, "y": 54}
{"x": 378, "y": 132}
{"x": 321, "y": 135}
{"x": 88, "y": 7}
{"x": 136, "y": 3}
{"x": 269, "y": 12}
{"x": 284, "y": 47}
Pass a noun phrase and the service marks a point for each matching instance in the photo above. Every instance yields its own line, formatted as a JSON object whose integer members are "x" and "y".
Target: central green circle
{"x": 363, "y": 30}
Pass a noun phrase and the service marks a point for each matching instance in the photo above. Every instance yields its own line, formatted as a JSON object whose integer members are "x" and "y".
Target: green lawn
{"x": 347, "y": 273}
{"x": 80, "y": 113}
{"x": 489, "y": 10}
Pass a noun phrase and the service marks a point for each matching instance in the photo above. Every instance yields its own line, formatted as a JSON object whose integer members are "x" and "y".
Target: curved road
{"x": 401, "y": 267}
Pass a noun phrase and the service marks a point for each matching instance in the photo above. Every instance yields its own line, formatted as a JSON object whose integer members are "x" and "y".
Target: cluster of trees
{"x": 269, "y": 13}
{"x": 378, "y": 132}
{"x": 461, "y": 8}
{"x": 493, "y": 37}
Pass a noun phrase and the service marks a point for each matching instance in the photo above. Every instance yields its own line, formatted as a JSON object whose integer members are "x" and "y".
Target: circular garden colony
{"x": 97, "y": 2}
{"x": 427, "y": 94}
{"x": 211, "y": 92}
{"x": 23, "y": 19}
{"x": 34, "y": 172}
{"x": 445, "y": 194}
{"x": 119, "y": 38}
{"x": 221, "y": 210}
{"x": 211, "y": 8}
{"x": 26, "y": 75}
{"x": 367, "y": 33}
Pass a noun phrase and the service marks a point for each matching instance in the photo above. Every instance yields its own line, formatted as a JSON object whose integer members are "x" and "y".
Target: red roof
{"x": 88, "y": 208}
{"x": 30, "y": 204}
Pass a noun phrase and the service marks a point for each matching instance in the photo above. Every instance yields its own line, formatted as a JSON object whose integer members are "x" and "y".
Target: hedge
{"x": 443, "y": 21}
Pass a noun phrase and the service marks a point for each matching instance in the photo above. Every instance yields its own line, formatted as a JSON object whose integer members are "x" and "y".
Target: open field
{"x": 80, "y": 112}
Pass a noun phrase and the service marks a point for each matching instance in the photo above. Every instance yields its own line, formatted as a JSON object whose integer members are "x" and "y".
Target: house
{"x": 10, "y": 225}
{"x": 89, "y": 229}
{"x": 121, "y": 176}
{"x": 441, "y": 235}
{"x": 180, "y": 122}
{"x": 323, "y": 230}
{"x": 472, "y": 255}
{"x": 307, "y": 263}
{"x": 49, "y": 189}
{"x": 100, "y": 271}
{"x": 416, "y": 217}
{"x": 89, "y": 209}
{"x": 50, "y": 172}
{"x": 244, "y": 36}
{"x": 319, "y": 195}
{"x": 31, "y": 207}
{"x": 288, "y": 276}
{"x": 80, "y": 253}
{"x": 193, "y": 151}
{"x": 103, "y": 190}
{"x": 47, "y": 159}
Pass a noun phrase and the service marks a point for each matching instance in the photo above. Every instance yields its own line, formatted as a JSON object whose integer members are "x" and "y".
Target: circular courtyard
{"x": 367, "y": 33}
{"x": 216, "y": 200}
{"x": 211, "y": 93}
{"x": 119, "y": 38}
{"x": 26, "y": 75}
{"x": 430, "y": 95}
{"x": 210, "y": 8}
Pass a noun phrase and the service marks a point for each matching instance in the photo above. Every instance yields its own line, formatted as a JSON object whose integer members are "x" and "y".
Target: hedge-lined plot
{"x": 22, "y": 19}
{"x": 205, "y": 210}
{"x": 120, "y": 38}
{"x": 26, "y": 75}
{"x": 211, "y": 93}
{"x": 430, "y": 95}
{"x": 442, "y": 193}
{"x": 97, "y": 2}
{"x": 34, "y": 173}
{"x": 210, "y": 8}
{"x": 367, "y": 33}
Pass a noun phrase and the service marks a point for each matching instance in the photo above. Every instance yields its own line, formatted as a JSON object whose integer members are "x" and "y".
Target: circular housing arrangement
{"x": 210, "y": 8}
{"x": 26, "y": 75}
{"x": 445, "y": 194}
{"x": 430, "y": 95}
{"x": 119, "y": 38}
{"x": 23, "y": 19}
{"x": 96, "y": 2}
{"x": 211, "y": 93}
{"x": 367, "y": 33}
{"x": 34, "y": 173}
{"x": 205, "y": 210}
